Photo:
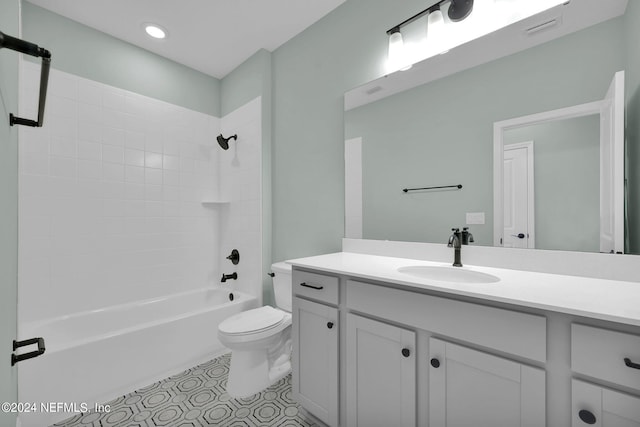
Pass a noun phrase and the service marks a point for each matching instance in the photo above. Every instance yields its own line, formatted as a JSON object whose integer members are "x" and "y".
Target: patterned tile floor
{"x": 197, "y": 397}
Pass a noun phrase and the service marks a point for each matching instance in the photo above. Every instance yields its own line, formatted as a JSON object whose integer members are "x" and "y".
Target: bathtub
{"x": 95, "y": 356}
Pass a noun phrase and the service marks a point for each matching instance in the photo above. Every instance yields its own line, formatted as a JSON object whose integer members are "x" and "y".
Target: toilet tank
{"x": 282, "y": 285}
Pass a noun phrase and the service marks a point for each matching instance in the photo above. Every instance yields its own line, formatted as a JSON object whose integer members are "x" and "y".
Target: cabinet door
{"x": 469, "y": 388}
{"x": 380, "y": 373}
{"x": 315, "y": 359}
{"x": 601, "y": 407}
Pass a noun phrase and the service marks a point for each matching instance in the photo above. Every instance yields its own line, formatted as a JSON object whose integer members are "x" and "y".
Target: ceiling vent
{"x": 373, "y": 90}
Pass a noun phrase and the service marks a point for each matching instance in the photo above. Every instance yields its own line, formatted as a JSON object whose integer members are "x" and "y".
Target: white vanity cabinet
{"x": 469, "y": 388}
{"x": 315, "y": 333}
{"x": 401, "y": 355}
{"x": 380, "y": 374}
{"x": 465, "y": 387}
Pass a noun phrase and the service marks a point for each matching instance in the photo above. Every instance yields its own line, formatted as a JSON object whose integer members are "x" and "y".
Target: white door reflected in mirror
{"x": 583, "y": 205}
{"x": 519, "y": 209}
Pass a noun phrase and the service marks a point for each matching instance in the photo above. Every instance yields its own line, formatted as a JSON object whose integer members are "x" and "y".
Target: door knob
{"x": 519, "y": 235}
{"x": 406, "y": 352}
{"x": 435, "y": 362}
{"x": 329, "y": 325}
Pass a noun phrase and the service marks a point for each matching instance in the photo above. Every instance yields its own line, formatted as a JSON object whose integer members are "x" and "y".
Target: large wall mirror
{"x": 433, "y": 126}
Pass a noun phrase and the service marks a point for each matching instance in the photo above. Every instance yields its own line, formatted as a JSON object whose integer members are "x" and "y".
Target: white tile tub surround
{"x": 110, "y": 198}
{"x": 240, "y": 183}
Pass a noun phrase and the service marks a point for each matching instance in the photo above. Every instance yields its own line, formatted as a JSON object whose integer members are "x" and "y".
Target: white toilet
{"x": 260, "y": 340}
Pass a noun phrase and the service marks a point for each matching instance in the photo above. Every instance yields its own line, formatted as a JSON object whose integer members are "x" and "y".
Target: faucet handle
{"x": 467, "y": 237}
{"x": 455, "y": 230}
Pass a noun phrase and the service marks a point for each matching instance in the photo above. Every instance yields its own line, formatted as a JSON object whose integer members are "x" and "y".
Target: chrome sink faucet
{"x": 455, "y": 241}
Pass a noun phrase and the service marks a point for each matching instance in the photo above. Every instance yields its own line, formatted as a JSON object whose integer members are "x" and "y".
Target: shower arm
{"x": 31, "y": 49}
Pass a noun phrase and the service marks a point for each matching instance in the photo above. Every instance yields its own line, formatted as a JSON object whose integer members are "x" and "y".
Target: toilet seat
{"x": 254, "y": 321}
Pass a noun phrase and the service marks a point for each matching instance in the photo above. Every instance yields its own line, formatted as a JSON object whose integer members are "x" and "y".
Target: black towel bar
{"x": 406, "y": 190}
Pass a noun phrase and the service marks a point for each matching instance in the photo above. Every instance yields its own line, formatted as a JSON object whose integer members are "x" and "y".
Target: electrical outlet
{"x": 475, "y": 218}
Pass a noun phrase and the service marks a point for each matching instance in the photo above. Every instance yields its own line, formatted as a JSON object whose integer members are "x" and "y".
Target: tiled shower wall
{"x": 240, "y": 184}
{"x": 111, "y": 192}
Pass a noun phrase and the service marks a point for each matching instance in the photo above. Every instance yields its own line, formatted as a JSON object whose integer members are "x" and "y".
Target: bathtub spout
{"x": 226, "y": 277}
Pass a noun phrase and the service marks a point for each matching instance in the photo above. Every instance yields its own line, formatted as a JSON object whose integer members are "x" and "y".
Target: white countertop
{"x": 610, "y": 300}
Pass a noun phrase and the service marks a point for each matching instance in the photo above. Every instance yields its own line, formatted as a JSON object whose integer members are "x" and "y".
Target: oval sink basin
{"x": 448, "y": 274}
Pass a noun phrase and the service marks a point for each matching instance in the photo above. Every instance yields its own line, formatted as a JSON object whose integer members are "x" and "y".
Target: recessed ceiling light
{"x": 155, "y": 31}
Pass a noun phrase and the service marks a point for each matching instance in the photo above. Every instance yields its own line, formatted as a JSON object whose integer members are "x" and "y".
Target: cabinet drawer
{"x": 316, "y": 286}
{"x": 601, "y": 353}
{"x": 513, "y": 332}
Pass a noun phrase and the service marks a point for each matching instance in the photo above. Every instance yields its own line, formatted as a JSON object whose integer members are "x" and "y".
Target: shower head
{"x": 224, "y": 142}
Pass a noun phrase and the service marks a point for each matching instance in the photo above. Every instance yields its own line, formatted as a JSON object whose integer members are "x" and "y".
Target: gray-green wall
{"x": 83, "y": 51}
{"x": 9, "y": 24}
{"x": 312, "y": 71}
{"x": 632, "y": 84}
{"x": 343, "y": 50}
{"x": 441, "y": 133}
{"x": 249, "y": 80}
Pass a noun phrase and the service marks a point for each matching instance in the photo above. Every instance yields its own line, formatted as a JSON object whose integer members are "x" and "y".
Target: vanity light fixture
{"x": 451, "y": 23}
{"x": 398, "y": 56}
{"x": 155, "y": 31}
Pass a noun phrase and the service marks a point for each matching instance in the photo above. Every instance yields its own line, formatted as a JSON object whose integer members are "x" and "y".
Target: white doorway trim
{"x": 500, "y": 127}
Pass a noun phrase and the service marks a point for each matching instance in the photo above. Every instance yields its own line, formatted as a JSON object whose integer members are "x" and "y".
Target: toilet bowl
{"x": 260, "y": 340}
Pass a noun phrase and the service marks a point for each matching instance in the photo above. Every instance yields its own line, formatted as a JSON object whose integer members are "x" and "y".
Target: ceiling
{"x": 211, "y": 36}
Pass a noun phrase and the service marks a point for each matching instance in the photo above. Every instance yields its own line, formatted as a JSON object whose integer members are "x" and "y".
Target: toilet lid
{"x": 250, "y": 321}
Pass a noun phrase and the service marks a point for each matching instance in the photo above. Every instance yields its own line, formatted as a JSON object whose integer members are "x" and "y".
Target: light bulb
{"x": 397, "y": 54}
{"x": 436, "y": 37}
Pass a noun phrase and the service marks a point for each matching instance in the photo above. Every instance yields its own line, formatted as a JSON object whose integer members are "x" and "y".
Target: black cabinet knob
{"x": 587, "y": 417}
{"x": 329, "y": 325}
{"x": 435, "y": 362}
{"x": 406, "y": 352}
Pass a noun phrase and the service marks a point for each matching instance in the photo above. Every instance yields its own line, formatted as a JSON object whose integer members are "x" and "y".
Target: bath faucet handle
{"x": 234, "y": 257}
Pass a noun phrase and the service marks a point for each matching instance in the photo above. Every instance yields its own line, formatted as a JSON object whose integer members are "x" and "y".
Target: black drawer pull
{"x": 329, "y": 325}
{"x": 317, "y": 288}
{"x": 630, "y": 364}
{"x": 587, "y": 417}
{"x": 406, "y": 352}
{"x": 435, "y": 362}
